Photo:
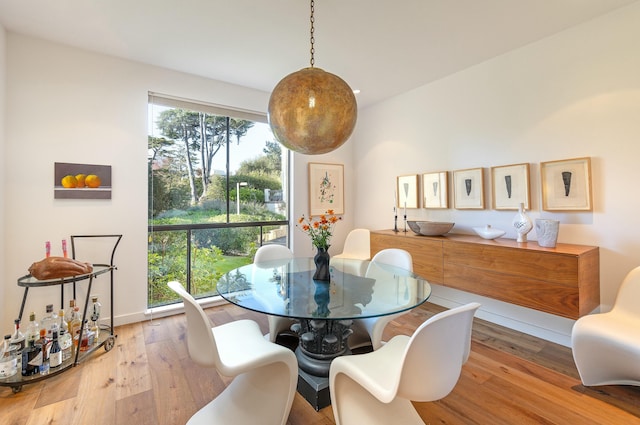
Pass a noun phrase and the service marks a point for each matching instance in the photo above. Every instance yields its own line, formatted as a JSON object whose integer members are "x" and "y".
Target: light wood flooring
{"x": 148, "y": 378}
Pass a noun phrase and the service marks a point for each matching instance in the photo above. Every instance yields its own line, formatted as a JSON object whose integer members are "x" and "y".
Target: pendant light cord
{"x": 312, "y": 39}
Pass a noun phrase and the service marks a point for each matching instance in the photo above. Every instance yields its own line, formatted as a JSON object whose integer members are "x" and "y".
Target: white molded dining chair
{"x": 277, "y": 324}
{"x": 357, "y": 245}
{"x": 378, "y": 387}
{"x": 265, "y": 374}
{"x": 606, "y": 346}
{"x": 371, "y": 328}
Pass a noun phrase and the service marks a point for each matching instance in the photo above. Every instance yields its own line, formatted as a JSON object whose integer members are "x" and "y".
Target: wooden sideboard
{"x": 564, "y": 280}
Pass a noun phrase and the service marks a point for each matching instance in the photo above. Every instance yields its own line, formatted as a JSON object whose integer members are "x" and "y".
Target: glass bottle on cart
{"x": 50, "y": 319}
{"x": 95, "y": 317}
{"x": 33, "y": 328}
{"x": 55, "y": 352}
{"x": 31, "y": 359}
{"x": 18, "y": 338}
{"x": 8, "y": 360}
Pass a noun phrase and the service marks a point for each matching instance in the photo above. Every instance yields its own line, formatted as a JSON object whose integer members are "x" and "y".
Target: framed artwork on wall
{"x": 566, "y": 185}
{"x": 81, "y": 181}
{"x": 326, "y": 188}
{"x": 510, "y": 186}
{"x": 407, "y": 191}
{"x": 468, "y": 189}
{"x": 435, "y": 191}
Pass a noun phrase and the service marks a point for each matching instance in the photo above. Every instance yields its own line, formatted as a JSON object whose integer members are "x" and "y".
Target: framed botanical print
{"x": 407, "y": 191}
{"x": 468, "y": 189}
{"x": 435, "y": 192}
{"x": 326, "y": 188}
{"x": 510, "y": 187}
{"x": 566, "y": 185}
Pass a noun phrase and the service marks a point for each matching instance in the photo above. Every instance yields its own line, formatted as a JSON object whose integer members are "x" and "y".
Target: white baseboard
{"x": 163, "y": 311}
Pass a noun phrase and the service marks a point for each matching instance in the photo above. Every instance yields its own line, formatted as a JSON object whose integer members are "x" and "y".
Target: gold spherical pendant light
{"x": 312, "y": 111}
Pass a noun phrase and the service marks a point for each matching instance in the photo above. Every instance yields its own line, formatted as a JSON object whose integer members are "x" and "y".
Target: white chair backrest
{"x": 200, "y": 341}
{"x": 357, "y": 245}
{"x": 628, "y": 297}
{"x": 272, "y": 252}
{"x": 436, "y": 352}
{"x": 394, "y": 257}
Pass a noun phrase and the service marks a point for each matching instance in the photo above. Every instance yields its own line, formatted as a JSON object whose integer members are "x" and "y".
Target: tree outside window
{"x": 204, "y": 167}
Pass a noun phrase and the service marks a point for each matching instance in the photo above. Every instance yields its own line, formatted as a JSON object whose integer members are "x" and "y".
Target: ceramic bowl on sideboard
{"x": 488, "y": 232}
{"x": 430, "y": 228}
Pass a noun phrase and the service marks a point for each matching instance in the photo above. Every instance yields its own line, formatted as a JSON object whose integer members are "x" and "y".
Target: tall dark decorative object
{"x": 321, "y": 259}
{"x": 320, "y": 231}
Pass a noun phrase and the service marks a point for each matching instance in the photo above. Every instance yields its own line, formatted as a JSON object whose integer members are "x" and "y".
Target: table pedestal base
{"x": 321, "y": 341}
{"x": 314, "y": 389}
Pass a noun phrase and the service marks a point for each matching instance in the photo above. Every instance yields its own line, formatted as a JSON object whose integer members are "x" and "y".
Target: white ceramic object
{"x": 522, "y": 224}
{"x": 547, "y": 232}
{"x": 488, "y": 232}
{"x": 430, "y": 228}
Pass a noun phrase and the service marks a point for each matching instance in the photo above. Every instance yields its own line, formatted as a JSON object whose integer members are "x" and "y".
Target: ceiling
{"x": 382, "y": 47}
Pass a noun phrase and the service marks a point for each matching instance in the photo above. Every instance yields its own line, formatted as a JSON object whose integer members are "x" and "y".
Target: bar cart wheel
{"x": 109, "y": 343}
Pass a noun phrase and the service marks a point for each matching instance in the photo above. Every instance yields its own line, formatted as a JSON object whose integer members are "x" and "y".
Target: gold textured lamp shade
{"x": 312, "y": 111}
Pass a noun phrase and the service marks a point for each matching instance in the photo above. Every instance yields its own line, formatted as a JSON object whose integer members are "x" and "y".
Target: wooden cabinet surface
{"x": 564, "y": 280}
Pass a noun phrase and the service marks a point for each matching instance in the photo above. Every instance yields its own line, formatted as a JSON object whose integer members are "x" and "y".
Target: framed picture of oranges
{"x": 81, "y": 181}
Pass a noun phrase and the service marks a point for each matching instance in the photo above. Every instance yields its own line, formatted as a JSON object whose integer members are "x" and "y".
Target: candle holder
{"x": 405, "y": 223}
{"x": 395, "y": 223}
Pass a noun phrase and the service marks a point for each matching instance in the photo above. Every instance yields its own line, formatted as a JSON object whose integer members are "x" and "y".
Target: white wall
{"x": 571, "y": 95}
{"x": 69, "y": 105}
{"x": 301, "y": 243}
{"x": 3, "y": 163}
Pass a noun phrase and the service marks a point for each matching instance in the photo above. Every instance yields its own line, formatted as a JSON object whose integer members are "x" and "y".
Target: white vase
{"x": 547, "y": 232}
{"x": 522, "y": 224}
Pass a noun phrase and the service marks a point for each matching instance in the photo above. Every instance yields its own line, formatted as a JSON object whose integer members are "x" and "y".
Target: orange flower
{"x": 319, "y": 230}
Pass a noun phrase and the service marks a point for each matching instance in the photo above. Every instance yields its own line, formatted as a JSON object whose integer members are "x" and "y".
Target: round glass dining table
{"x": 325, "y": 310}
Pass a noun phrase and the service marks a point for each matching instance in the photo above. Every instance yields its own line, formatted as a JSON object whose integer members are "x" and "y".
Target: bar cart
{"x": 106, "y": 339}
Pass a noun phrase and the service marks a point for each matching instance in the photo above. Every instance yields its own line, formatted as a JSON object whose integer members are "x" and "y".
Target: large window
{"x": 218, "y": 189}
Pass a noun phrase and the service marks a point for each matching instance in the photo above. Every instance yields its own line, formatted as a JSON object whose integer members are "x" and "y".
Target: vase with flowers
{"x": 320, "y": 231}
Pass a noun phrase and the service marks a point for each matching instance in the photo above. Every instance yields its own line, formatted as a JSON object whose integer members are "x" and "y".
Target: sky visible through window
{"x": 251, "y": 145}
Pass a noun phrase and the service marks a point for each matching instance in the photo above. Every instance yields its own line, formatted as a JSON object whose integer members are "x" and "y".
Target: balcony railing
{"x": 197, "y": 255}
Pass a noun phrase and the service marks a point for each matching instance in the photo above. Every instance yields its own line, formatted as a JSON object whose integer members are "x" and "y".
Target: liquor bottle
{"x": 65, "y": 344}
{"x": 42, "y": 338}
{"x": 74, "y": 326}
{"x": 43, "y": 344}
{"x": 69, "y": 317}
{"x": 31, "y": 359}
{"x": 33, "y": 328}
{"x": 50, "y": 319}
{"x": 8, "y": 360}
{"x": 55, "y": 352}
{"x": 62, "y": 324}
{"x": 87, "y": 337}
{"x": 44, "y": 365}
{"x": 18, "y": 337}
{"x": 95, "y": 318}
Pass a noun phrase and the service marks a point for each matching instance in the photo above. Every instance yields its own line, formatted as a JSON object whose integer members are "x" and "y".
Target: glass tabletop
{"x": 357, "y": 289}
